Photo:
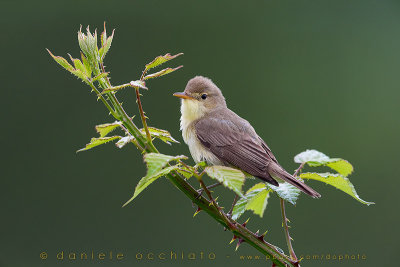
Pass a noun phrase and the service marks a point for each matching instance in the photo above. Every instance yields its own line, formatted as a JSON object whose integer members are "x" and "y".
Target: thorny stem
{"x": 233, "y": 205}
{"x": 99, "y": 95}
{"x": 285, "y": 222}
{"x": 212, "y": 200}
{"x": 201, "y": 190}
{"x": 286, "y": 229}
{"x": 142, "y": 116}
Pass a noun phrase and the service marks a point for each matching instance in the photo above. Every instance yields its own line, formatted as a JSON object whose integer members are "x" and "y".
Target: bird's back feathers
{"x": 234, "y": 142}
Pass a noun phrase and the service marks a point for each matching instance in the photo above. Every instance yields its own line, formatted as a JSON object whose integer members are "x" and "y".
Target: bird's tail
{"x": 278, "y": 172}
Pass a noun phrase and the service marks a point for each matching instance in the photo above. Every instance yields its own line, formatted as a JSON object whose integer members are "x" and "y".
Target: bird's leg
{"x": 201, "y": 190}
{"x": 229, "y": 214}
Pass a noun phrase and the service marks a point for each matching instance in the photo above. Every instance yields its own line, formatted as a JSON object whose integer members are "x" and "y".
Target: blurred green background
{"x": 306, "y": 74}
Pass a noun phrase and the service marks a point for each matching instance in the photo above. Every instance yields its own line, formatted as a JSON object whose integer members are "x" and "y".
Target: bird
{"x": 217, "y": 135}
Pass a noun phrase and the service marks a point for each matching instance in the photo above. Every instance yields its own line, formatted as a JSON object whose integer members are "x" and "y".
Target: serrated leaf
{"x": 200, "y": 164}
{"x": 160, "y": 60}
{"x": 239, "y": 208}
{"x": 124, "y": 140}
{"x": 310, "y": 155}
{"x": 88, "y": 45}
{"x": 140, "y": 84}
{"x": 86, "y": 64}
{"x": 163, "y": 135}
{"x": 161, "y": 73}
{"x": 80, "y": 75}
{"x": 115, "y": 88}
{"x": 155, "y": 168}
{"x": 258, "y": 203}
{"x": 100, "y": 76}
{"x": 229, "y": 177}
{"x": 156, "y": 161}
{"x": 148, "y": 179}
{"x": 103, "y": 36}
{"x": 286, "y": 191}
{"x": 105, "y": 46}
{"x": 98, "y": 141}
{"x": 341, "y": 166}
{"x": 315, "y": 158}
{"x": 79, "y": 66}
{"x": 185, "y": 172}
{"x": 62, "y": 61}
{"x": 336, "y": 180}
{"x": 242, "y": 204}
{"x": 106, "y": 128}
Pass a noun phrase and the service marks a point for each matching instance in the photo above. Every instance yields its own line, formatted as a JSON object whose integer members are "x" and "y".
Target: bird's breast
{"x": 197, "y": 150}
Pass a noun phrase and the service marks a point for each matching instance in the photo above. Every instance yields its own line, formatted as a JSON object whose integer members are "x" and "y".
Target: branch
{"x": 285, "y": 224}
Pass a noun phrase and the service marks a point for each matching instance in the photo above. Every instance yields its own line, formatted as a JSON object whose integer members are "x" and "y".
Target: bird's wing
{"x": 235, "y": 142}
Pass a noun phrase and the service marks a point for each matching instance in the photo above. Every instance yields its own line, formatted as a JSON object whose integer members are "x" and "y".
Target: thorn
{"x": 216, "y": 198}
{"x": 197, "y": 211}
{"x": 245, "y": 223}
{"x": 261, "y": 237}
{"x": 240, "y": 241}
{"x": 257, "y": 232}
{"x": 211, "y": 204}
{"x": 287, "y": 220}
{"x": 233, "y": 239}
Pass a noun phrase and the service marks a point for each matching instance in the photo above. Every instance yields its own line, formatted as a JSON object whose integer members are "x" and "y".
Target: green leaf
{"x": 138, "y": 84}
{"x": 100, "y": 76}
{"x": 125, "y": 140}
{"x": 106, "y": 128}
{"x": 311, "y": 155}
{"x": 161, "y": 73}
{"x": 86, "y": 64}
{"x": 339, "y": 181}
{"x": 229, "y": 177}
{"x": 79, "y": 66}
{"x": 200, "y": 164}
{"x": 286, "y": 191}
{"x": 98, "y": 141}
{"x": 62, "y": 61}
{"x": 185, "y": 172}
{"x": 88, "y": 45}
{"x": 160, "y": 60}
{"x": 115, "y": 88}
{"x": 315, "y": 158}
{"x": 341, "y": 166}
{"x": 148, "y": 179}
{"x": 255, "y": 199}
{"x": 80, "y": 75}
{"x": 155, "y": 168}
{"x": 239, "y": 208}
{"x": 163, "y": 135}
{"x": 156, "y": 161}
{"x": 258, "y": 203}
{"x": 105, "y": 44}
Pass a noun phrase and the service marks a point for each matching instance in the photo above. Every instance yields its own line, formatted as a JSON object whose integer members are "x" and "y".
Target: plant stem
{"x": 285, "y": 222}
{"x": 286, "y": 229}
{"x": 142, "y": 116}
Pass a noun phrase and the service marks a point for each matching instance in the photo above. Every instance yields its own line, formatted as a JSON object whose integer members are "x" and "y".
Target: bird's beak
{"x": 182, "y": 95}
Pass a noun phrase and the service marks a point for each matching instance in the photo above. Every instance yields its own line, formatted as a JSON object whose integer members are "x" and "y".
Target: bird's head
{"x": 201, "y": 96}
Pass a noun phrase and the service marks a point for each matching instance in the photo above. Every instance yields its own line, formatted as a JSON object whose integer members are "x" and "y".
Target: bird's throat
{"x": 191, "y": 110}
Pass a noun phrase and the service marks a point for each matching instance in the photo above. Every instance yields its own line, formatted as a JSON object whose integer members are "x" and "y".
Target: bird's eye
{"x": 203, "y": 96}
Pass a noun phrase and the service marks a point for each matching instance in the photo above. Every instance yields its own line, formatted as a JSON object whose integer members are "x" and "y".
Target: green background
{"x": 306, "y": 74}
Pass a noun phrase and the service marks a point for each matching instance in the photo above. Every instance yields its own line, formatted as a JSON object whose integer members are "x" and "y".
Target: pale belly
{"x": 197, "y": 150}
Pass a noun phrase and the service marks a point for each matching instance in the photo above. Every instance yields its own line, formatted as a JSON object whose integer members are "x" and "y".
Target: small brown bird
{"x": 217, "y": 135}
